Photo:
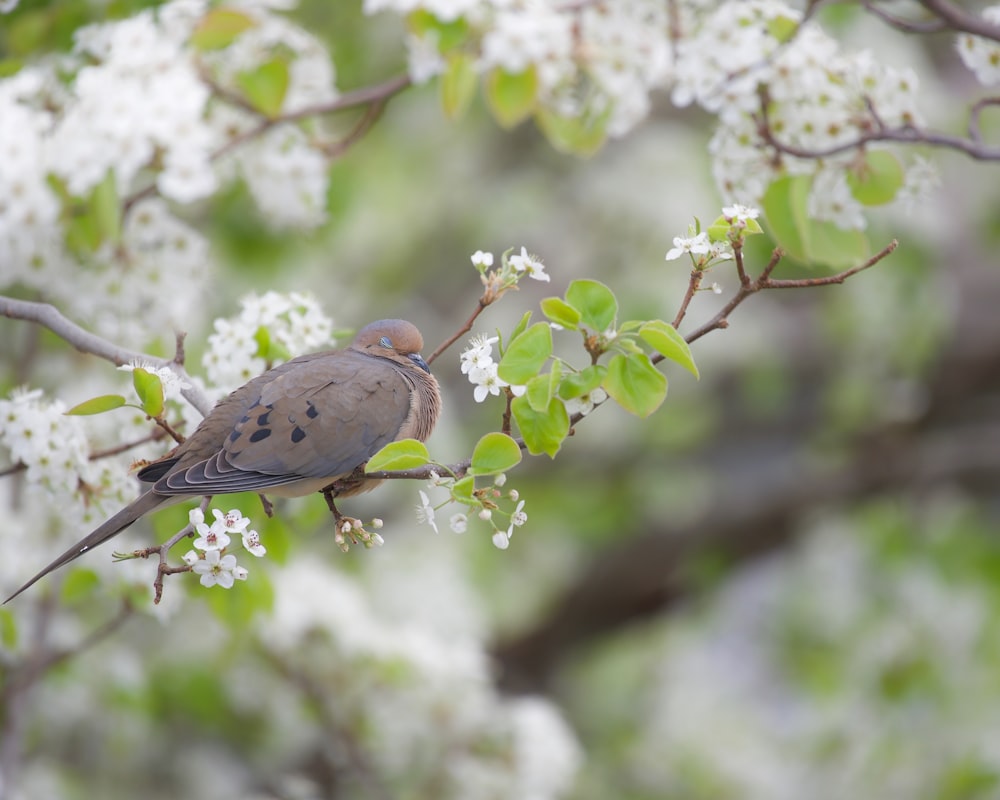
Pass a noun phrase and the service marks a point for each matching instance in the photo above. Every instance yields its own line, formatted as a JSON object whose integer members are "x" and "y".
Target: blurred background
{"x": 784, "y": 584}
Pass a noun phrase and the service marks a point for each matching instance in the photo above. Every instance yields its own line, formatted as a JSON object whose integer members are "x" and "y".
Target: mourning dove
{"x": 296, "y": 429}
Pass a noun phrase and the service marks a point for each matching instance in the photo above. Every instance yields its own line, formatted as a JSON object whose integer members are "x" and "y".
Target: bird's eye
{"x": 386, "y": 342}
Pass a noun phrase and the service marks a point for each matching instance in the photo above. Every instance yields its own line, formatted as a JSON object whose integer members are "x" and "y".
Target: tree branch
{"x": 48, "y": 316}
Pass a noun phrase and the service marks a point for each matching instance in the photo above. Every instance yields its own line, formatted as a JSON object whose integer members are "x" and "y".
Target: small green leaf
{"x": 462, "y": 489}
{"x": 106, "y": 209}
{"x": 595, "y": 302}
{"x": 525, "y": 355}
{"x": 79, "y": 583}
{"x": 449, "y": 35}
{"x": 149, "y": 388}
{"x": 577, "y": 384}
{"x": 538, "y": 390}
{"x": 219, "y": 28}
{"x": 543, "y": 431}
{"x": 520, "y": 328}
{"x": 782, "y": 28}
{"x": 269, "y": 348}
{"x": 97, "y": 405}
{"x": 82, "y": 232}
{"x": 718, "y": 231}
{"x": 8, "y": 629}
{"x": 579, "y": 135}
{"x": 404, "y": 454}
{"x": 458, "y": 85}
{"x": 494, "y": 453}
{"x": 877, "y": 179}
{"x": 635, "y": 383}
{"x": 511, "y": 97}
{"x": 785, "y": 205}
{"x": 266, "y": 86}
{"x": 664, "y": 338}
{"x": 561, "y": 312}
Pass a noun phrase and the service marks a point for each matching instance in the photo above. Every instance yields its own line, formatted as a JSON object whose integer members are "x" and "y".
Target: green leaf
{"x": 525, "y": 355}
{"x": 8, "y": 629}
{"x": 404, "y": 454}
{"x": 785, "y": 205}
{"x": 268, "y": 348}
{"x": 219, "y": 28}
{"x": 579, "y": 135}
{"x": 511, "y": 97}
{"x": 462, "y": 489}
{"x": 664, "y": 338}
{"x": 106, "y": 209}
{"x": 494, "y": 453}
{"x": 79, "y": 583}
{"x": 635, "y": 383}
{"x": 458, "y": 85}
{"x": 449, "y": 34}
{"x": 835, "y": 247}
{"x": 577, "y": 384}
{"x": 82, "y": 232}
{"x": 538, "y": 390}
{"x": 150, "y": 390}
{"x": 561, "y": 312}
{"x": 265, "y": 87}
{"x": 97, "y": 405}
{"x": 877, "y": 179}
{"x": 782, "y": 28}
{"x": 543, "y": 431}
{"x": 520, "y": 328}
{"x": 595, "y": 302}
{"x": 718, "y": 231}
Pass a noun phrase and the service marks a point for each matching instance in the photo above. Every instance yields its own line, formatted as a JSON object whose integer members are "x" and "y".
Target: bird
{"x": 304, "y": 426}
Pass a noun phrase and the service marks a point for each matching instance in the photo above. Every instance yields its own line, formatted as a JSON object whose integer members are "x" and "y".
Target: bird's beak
{"x": 416, "y": 359}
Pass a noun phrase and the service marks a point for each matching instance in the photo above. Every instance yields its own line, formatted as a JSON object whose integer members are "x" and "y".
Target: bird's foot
{"x": 350, "y": 530}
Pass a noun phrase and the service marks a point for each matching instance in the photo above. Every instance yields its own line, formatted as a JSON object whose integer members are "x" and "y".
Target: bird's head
{"x": 395, "y": 339}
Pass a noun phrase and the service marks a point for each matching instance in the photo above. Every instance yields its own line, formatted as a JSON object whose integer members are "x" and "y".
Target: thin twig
{"x": 48, "y": 316}
{"x": 693, "y": 284}
{"x": 480, "y": 308}
{"x": 765, "y": 281}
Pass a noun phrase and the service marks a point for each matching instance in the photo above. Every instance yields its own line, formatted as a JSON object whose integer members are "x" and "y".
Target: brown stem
{"x": 480, "y": 308}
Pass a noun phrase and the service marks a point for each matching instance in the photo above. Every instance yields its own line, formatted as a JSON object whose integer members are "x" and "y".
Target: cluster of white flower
{"x": 52, "y": 445}
{"x": 705, "y": 252}
{"x": 295, "y": 322}
{"x": 128, "y": 106}
{"x": 490, "y": 507}
{"x": 481, "y": 369}
{"x": 342, "y": 629}
{"x": 602, "y": 58}
{"x": 213, "y": 564}
{"x": 817, "y": 98}
{"x": 981, "y": 55}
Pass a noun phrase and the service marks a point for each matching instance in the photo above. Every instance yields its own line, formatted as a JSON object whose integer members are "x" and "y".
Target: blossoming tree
{"x": 207, "y": 168}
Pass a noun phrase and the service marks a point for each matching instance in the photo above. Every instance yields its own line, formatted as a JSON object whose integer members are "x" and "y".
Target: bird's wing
{"x": 320, "y": 419}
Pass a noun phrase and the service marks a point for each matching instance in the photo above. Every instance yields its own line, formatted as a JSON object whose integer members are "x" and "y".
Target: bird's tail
{"x": 112, "y": 527}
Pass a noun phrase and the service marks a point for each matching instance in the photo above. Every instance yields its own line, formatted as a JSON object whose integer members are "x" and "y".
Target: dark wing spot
{"x": 245, "y": 420}
{"x": 312, "y": 411}
{"x": 298, "y": 435}
{"x": 234, "y": 436}
{"x": 262, "y": 419}
{"x": 260, "y": 434}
